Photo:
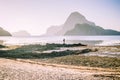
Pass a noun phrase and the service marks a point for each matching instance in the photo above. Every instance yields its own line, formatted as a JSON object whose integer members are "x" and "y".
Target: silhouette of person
{"x": 63, "y": 40}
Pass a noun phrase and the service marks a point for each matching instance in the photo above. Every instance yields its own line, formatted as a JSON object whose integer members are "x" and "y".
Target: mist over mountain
{"x": 86, "y": 29}
{"x": 21, "y": 33}
{"x": 77, "y": 24}
{"x": 73, "y": 19}
{"x": 4, "y": 32}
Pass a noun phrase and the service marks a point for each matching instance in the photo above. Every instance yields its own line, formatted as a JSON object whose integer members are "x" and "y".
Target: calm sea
{"x": 59, "y": 39}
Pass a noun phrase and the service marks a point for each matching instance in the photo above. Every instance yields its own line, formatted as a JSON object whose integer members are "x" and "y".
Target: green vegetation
{"x": 2, "y": 46}
{"x": 38, "y": 47}
{"x": 93, "y": 61}
{"x": 30, "y": 55}
{"x": 28, "y": 51}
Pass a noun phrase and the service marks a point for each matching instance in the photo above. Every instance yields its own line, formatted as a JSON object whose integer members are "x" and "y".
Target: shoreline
{"x": 74, "y": 61}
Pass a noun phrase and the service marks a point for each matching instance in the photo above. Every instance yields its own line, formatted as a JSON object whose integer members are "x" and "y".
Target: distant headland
{"x": 77, "y": 24}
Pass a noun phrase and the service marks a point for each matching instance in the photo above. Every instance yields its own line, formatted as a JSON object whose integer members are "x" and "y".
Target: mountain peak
{"x": 77, "y": 15}
{"x": 73, "y": 19}
{"x": 76, "y": 18}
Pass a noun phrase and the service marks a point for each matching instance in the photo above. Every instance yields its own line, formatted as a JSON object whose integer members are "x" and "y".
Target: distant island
{"x": 77, "y": 24}
{"x": 86, "y": 29}
{"x": 4, "y": 32}
{"x": 21, "y": 33}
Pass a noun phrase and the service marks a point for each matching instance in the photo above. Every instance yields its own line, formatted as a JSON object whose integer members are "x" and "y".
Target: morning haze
{"x": 59, "y": 39}
{"x": 36, "y": 16}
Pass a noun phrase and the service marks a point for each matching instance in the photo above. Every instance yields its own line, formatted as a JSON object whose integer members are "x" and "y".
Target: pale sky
{"x": 35, "y": 16}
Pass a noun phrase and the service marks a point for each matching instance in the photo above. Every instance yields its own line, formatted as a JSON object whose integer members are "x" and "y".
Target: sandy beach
{"x": 19, "y": 70}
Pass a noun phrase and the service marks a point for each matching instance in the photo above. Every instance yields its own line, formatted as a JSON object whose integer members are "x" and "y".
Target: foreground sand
{"x": 25, "y": 70}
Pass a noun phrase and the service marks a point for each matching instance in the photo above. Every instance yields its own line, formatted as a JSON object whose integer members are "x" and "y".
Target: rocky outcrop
{"x": 72, "y": 20}
{"x": 86, "y": 29}
{"x": 4, "y": 32}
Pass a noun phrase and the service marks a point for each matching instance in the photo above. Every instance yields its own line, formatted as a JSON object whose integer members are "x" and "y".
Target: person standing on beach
{"x": 63, "y": 40}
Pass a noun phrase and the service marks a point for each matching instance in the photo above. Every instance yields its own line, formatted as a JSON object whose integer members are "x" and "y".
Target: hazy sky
{"x": 35, "y": 16}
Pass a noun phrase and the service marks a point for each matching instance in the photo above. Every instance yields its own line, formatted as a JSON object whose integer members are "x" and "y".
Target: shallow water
{"x": 91, "y": 40}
